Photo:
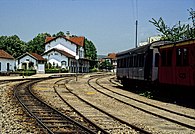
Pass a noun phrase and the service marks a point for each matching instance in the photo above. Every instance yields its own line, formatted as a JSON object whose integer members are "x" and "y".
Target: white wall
{"x": 3, "y": 64}
{"x": 55, "y": 57}
{"x": 26, "y": 58}
{"x": 62, "y": 44}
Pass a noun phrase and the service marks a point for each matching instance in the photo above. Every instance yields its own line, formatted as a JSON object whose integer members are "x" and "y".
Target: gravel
{"x": 13, "y": 119}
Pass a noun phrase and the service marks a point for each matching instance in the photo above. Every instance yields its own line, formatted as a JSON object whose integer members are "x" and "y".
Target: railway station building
{"x": 66, "y": 52}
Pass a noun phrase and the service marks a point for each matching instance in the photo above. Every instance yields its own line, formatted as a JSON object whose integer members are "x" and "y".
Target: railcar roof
{"x": 143, "y": 49}
{"x": 137, "y": 50}
{"x": 178, "y": 43}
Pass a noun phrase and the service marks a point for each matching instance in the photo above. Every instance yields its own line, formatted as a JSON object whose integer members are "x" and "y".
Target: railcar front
{"x": 177, "y": 64}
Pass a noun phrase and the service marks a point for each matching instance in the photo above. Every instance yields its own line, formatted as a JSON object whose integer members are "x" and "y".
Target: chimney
{"x": 68, "y": 34}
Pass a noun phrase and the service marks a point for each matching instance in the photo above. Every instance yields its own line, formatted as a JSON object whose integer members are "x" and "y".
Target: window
{"x": 169, "y": 57}
{"x": 185, "y": 56}
{"x": 166, "y": 57}
{"x": 178, "y": 57}
{"x": 141, "y": 60}
{"x": 135, "y": 61}
{"x": 163, "y": 57}
{"x": 63, "y": 63}
{"x": 131, "y": 61}
{"x": 7, "y": 66}
{"x": 182, "y": 57}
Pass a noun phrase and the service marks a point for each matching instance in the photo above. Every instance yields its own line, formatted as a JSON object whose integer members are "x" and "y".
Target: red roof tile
{"x": 111, "y": 56}
{"x": 5, "y": 55}
{"x": 76, "y": 40}
{"x": 37, "y": 56}
{"x": 49, "y": 39}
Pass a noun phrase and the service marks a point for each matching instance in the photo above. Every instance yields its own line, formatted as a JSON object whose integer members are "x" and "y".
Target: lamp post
{"x": 77, "y": 58}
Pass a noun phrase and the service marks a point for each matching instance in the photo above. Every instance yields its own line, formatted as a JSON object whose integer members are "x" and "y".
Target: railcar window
{"x": 141, "y": 60}
{"x": 117, "y": 64}
{"x": 163, "y": 56}
{"x": 179, "y": 57}
{"x": 169, "y": 57}
{"x": 131, "y": 61}
{"x": 125, "y": 62}
{"x": 135, "y": 61}
{"x": 156, "y": 59}
{"x": 128, "y": 62}
{"x": 185, "y": 56}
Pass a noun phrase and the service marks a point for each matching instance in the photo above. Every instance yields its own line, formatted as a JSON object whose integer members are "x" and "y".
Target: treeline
{"x": 16, "y": 47}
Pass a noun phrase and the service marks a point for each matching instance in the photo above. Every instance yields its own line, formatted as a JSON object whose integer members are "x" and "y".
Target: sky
{"x": 109, "y": 24}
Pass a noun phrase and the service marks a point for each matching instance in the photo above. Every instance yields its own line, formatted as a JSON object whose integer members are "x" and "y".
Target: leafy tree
{"x": 178, "y": 31}
{"x": 13, "y": 45}
{"x": 192, "y": 16}
{"x": 90, "y": 52}
{"x": 106, "y": 65}
{"x": 58, "y": 34}
{"x": 37, "y": 44}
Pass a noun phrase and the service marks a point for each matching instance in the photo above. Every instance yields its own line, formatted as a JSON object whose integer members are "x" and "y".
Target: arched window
{"x": 63, "y": 63}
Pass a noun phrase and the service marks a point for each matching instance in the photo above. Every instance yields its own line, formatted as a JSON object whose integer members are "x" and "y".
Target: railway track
{"x": 52, "y": 120}
{"x": 184, "y": 120}
{"x": 107, "y": 122}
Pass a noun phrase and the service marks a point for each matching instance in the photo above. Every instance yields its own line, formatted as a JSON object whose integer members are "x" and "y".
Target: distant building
{"x": 112, "y": 59}
{"x": 150, "y": 40}
{"x": 153, "y": 39}
{"x": 62, "y": 51}
{"x": 31, "y": 61}
{"x": 7, "y": 62}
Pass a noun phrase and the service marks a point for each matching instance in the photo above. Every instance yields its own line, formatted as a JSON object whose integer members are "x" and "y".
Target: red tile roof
{"x": 76, "y": 40}
{"x": 37, "y": 56}
{"x": 111, "y": 56}
{"x": 5, "y": 55}
{"x": 48, "y": 39}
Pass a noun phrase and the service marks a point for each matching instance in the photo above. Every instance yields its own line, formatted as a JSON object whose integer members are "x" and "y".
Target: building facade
{"x": 31, "y": 61}
{"x": 61, "y": 51}
{"x": 7, "y": 62}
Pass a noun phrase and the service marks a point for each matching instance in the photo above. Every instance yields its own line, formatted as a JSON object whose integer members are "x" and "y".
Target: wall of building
{"x": 3, "y": 65}
{"x": 56, "y": 58}
{"x": 62, "y": 44}
{"x": 25, "y": 59}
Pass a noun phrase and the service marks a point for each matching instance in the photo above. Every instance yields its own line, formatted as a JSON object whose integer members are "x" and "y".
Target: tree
{"x": 13, "y": 45}
{"x": 37, "y": 44}
{"x": 192, "y": 16}
{"x": 176, "y": 32}
{"x": 58, "y": 34}
{"x": 90, "y": 52}
{"x": 106, "y": 65}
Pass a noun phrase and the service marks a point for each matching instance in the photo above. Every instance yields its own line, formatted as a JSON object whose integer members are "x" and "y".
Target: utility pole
{"x": 136, "y": 23}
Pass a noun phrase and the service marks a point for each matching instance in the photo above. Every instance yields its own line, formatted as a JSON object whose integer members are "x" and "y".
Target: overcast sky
{"x": 109, "y": 24}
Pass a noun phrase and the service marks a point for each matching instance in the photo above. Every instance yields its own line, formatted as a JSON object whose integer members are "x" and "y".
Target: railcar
{"x": 161, "y": 63}
{"x": 177, "y": 64}
{"x": 139, "y": 66}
